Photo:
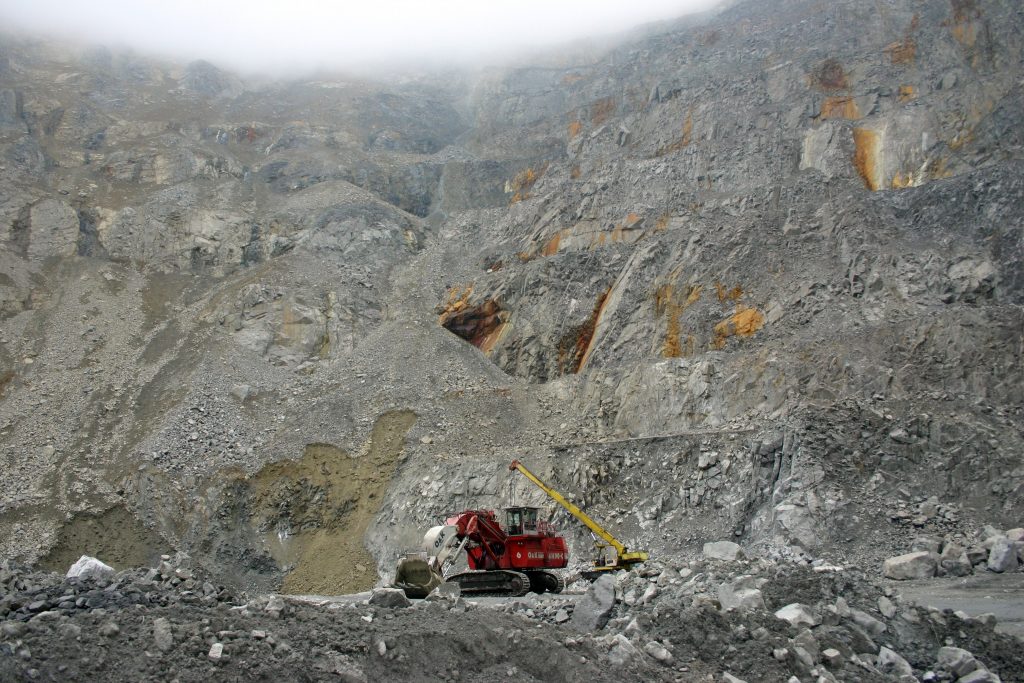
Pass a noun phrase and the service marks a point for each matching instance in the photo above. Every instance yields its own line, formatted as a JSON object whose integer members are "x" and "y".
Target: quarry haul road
{"x": 986, "y": 592}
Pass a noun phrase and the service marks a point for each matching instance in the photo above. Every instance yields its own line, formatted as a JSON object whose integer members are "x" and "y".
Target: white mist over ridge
{"x": 308, "y": 34}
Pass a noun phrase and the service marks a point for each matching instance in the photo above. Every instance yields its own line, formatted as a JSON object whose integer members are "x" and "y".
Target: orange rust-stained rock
{"x": 551, "y": 246}
{"x": 907, "y": 93}
{"x": 743, "y": 323}
{"x": 575, "y": 127}
{"x": 902, "y": 51}
{"x": 523, "y": 182}
{"x": 481, "y": 325}
{"x": 865, "y": 157}
{"x": 457, "y": 298}
{"x": 903, "y": 180}
{"x": 728, "y": 294}
{"x": 687, "y": 129}
{"x": 683, "y": 141}
{"x": 575, "y": 346}
{"x": 963, "y": 25}
{"x": 839, "y": 108}
{"x": 665, "y": 303}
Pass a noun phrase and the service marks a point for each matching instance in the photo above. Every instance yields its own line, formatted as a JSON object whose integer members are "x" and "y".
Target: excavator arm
{"x": 624, "y": 558}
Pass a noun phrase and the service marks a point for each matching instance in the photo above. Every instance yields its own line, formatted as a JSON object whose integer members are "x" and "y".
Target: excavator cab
{"x": 521, "y": 520}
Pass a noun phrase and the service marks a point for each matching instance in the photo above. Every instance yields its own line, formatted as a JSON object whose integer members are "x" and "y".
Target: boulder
{"x": 832, "y": 657}
{"x": 275, "y": 605}
{"x": 919, "y": 565}
{"x": 928, "y": 544}
{"x": 658, "y": 651}
{"x": 739, "y": 599}
{"x": 868, "y": 622}
{"x": 886, "y": 607}
{"x": 797, "y": 614}
{"x": 726, "y": 551}
{"x": 594, "y": 608}
{"x": 954, "y": 560}
{"x": 162, "y": 636}
{"x": 389, "y": 597}
{"x": 956, "y": 660}
{"x": 89, "y": 568}
{"x": 1002, "y": 556}
{"x": 622, "y": 650}
{"x": 893, "y": 664}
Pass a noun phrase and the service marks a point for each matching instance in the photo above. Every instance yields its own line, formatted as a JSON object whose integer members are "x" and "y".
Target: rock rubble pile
{"x": 958, "y": 555}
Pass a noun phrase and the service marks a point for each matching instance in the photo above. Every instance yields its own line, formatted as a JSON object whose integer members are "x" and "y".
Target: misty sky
{"x": 305, "y": 34}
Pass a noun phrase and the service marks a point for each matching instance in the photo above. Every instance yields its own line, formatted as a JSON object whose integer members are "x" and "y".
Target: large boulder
{"x": 954, "y": 560}
{"x": 891, "y": 663}
{"x": 726, "y": 551}
{"x": 797, "y": 614}
{"x": 919, "y": 565}
{"x": 957, "y": 660}
{"x": 741, "y": 594}
{"x": 389, "y": 597}
{"x": 89, "y": 568}
{"x": 1002, "y": 556}
{"x": 594, "y": 608}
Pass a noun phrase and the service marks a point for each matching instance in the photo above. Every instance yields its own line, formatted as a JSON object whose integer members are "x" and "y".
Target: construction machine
{"x": 503, "y": 560}
{"x": 513, "y": 559}
{"x": 603, "y": 540}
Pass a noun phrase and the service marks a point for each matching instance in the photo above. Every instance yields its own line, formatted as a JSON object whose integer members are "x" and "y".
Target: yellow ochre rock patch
{"x": 743, "y": 323}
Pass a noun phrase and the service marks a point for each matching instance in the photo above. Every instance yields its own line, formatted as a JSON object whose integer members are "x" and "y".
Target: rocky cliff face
{"x": 758, "y": 276}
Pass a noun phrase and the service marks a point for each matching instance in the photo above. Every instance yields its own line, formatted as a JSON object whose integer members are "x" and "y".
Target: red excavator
{"x": 509, "y": 560}
{"x": 512, "y": 560}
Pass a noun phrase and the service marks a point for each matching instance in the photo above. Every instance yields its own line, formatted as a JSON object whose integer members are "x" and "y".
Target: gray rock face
{"x": 596, "y": 262}
{"x": 917, "y": 565}
{"x": 594, "y": 608}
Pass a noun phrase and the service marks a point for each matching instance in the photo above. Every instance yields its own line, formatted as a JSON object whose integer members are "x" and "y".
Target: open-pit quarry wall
{"x": 754, "y": 275}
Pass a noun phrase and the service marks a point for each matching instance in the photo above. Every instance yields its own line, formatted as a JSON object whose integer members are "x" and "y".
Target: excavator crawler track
{"x": 545, "y": 582}
{"x": 497, "y": 582}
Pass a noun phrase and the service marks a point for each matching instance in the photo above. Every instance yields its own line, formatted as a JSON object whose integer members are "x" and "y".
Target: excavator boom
{"x": 624, "y": 558}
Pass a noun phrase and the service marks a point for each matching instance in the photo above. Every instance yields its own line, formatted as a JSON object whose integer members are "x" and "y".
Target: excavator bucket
{"x": 416, "y": 576}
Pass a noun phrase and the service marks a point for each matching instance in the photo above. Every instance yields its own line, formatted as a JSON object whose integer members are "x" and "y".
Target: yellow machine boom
{"x": 623, "y": 558}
